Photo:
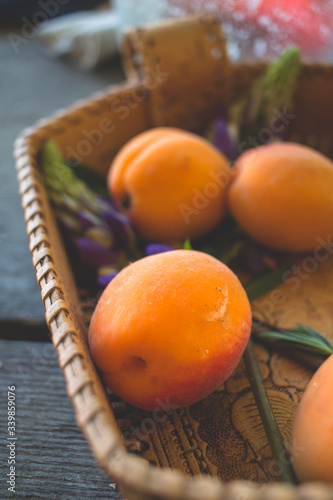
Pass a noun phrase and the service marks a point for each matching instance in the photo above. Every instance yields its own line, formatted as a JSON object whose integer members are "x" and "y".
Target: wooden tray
{"x": 178, "y": 75}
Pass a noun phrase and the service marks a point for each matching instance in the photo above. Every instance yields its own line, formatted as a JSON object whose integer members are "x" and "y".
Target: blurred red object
{"x": 307, "y": 23}
{"x": 263, "y": 28}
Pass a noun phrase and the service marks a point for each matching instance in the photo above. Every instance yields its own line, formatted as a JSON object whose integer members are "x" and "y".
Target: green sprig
{"x": 265, "y": 283}
{"x": 61, "y": 182}
{"x": 302, "y": 338}
{"x": 267, "y": 416}
{"x": 187, "y": 245}
{"x": 271, "y": 92}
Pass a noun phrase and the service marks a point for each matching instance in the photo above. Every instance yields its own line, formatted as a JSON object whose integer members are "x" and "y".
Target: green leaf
{"x": 267, "y": 282}
{"x": 307, "y": 330}
{"x": 187, "y": 245}
{"x": 301, "y": 338}
{"x": 51, "y": 153}
{"x": 270, "y": 95}
{"x": 220, "y": 241}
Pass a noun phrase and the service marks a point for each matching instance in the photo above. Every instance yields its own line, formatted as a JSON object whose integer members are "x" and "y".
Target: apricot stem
{"x": 126, "y": 201}
{"x": 273, "y": 434}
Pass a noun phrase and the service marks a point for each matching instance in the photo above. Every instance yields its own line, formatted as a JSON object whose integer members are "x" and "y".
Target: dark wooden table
{"x": 53, "y": 460}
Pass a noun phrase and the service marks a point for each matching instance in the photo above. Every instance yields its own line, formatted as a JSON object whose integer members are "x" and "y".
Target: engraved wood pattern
{"x": 222, "y": 434}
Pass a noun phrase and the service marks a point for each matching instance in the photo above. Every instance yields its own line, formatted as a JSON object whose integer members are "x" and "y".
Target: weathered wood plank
{"x": 32, "y": 86}
{"x": 53, "y": 460}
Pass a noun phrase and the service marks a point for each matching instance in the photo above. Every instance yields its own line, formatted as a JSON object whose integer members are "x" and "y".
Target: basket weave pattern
{"x": 135, "y": 476}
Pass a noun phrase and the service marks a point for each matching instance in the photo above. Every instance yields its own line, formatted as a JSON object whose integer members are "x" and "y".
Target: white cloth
{"x": 87, "y": 38}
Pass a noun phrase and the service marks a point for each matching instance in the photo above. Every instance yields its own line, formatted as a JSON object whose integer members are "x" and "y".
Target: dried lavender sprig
{"x": 120, "y": 226}
{"x": 223, "y": 139}
{"x": 269, "y": 99}
{"x": 156, "y": 248}
{"x": 83, "y": 213}
{"x": 63, "y": 184}
{"x": 105, "y": 279}
{"x": 96, "y": 254}
{"x": 60, "y": 179}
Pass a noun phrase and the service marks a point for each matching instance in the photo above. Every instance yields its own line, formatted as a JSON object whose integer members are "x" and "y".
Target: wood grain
{"x": 53, "y": 460}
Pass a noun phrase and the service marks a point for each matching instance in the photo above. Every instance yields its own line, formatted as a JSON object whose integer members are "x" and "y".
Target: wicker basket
{"x": 178, "y": 74}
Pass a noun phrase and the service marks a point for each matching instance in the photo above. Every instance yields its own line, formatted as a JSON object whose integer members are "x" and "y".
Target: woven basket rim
{"x": 94, "y": 419}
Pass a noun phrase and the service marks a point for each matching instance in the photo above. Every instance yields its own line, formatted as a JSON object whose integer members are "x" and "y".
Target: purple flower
{"x": 155, "y": 248}
{"x": 106, "y": 203}
{"x": 222, "y": 139}
{"x": 96, "y": 254}
{"x": 87, "y": 218}
{"x": 105, "y": 279}
{"x": 69, "y": 222}
{"x": 119, "y": 225}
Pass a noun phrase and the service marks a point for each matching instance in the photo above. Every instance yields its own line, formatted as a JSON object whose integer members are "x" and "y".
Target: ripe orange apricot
{"x": 282, "y": 196}
{"x": 312, "y": 434}
{"x": 170, "y": 183}
{"x": 169, "y": 329}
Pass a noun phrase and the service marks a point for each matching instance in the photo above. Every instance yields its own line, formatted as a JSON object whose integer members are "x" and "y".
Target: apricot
{"x": 281, "y": 195}
{"x": 170, "y": 183}
{"x": 169, "y": 329}
{"x": 312, "y": 433}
